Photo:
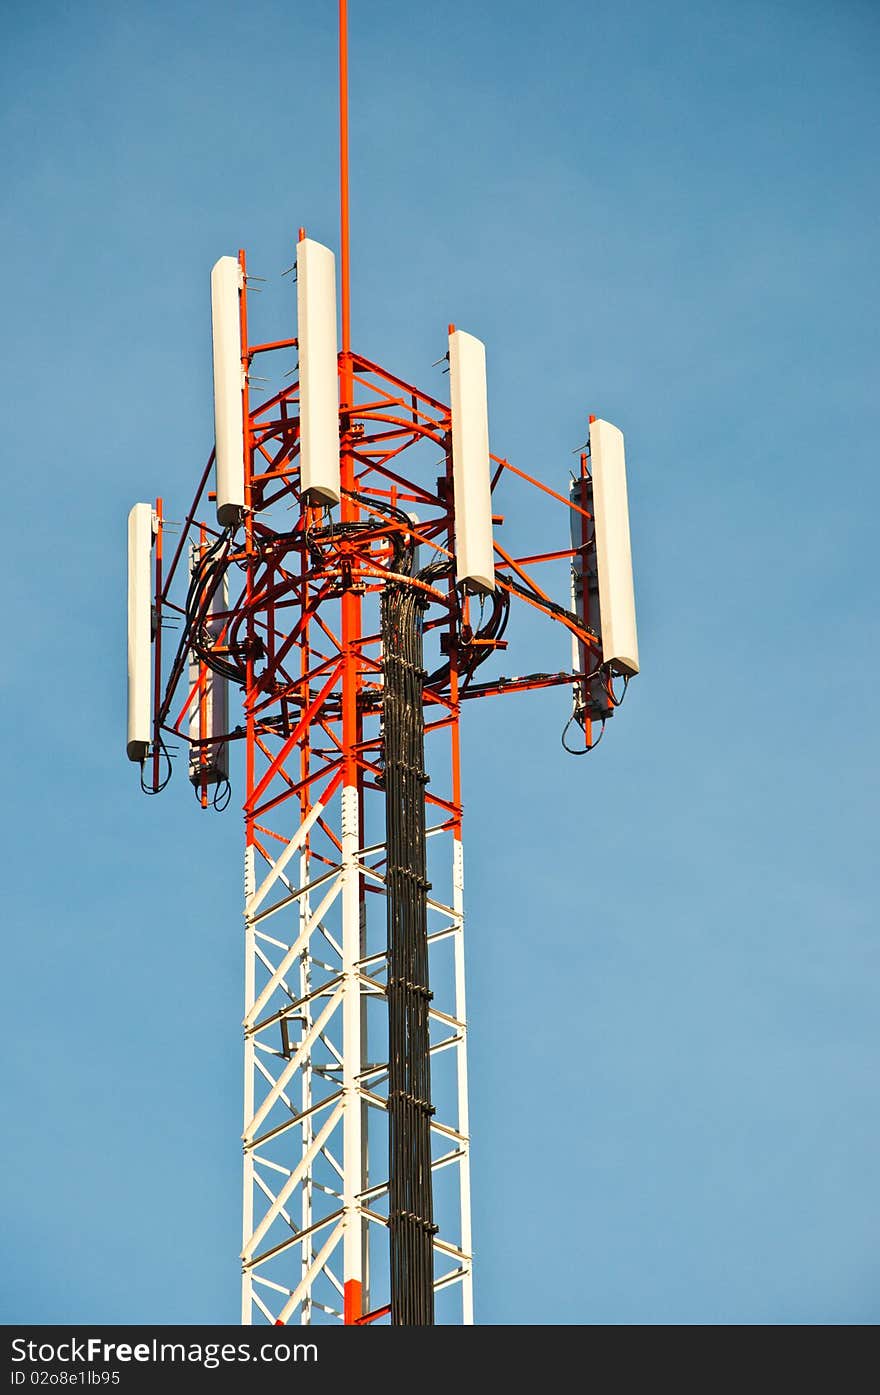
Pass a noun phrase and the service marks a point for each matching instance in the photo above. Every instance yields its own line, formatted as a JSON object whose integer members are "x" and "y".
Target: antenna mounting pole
{"x": 343, "y": 178}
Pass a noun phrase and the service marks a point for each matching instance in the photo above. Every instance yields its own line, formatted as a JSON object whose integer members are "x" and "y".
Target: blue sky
{"x": 663, "y": 215}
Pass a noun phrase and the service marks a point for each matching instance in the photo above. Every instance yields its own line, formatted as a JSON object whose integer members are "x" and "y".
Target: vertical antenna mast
{"x": 344, "y": 247}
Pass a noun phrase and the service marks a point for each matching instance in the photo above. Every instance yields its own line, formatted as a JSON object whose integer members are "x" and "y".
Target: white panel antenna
{"x": 209, "y": 710}
{"x": 140, "y": 631}
{"x": 226, "y": 284}
{"x": 474, "y": 556}
{"x": 318, "y": 372}
{"x": 620, "y": 646}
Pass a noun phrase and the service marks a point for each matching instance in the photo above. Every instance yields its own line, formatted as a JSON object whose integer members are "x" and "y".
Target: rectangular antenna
{"x": 474, "y": 557}
{"x": 318, "y": 372}
{"x": 581, "y": 536}
{"x": 140, "y": 631}
{"x": 209, "y": 710}
{"x": 620, "y": 646}
{"x": 226, "y": 286}
{"x": 590, "y": 699}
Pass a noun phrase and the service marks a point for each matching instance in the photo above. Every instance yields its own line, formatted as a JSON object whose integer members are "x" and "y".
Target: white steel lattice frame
{"x": 301, "y": 1200}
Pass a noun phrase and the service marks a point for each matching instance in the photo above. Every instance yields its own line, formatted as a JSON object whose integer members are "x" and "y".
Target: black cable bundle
{"x": 411, "y": 1217}
{"x": 204, "y": 582}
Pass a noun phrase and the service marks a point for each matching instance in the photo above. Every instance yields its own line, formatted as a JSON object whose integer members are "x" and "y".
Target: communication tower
{"x": 350, "y": 583}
